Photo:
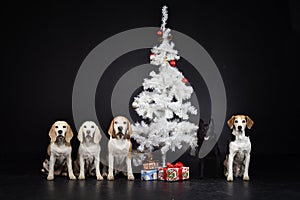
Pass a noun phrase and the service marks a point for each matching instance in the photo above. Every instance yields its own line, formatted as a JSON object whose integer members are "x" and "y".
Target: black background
{"x": 253, "y": 43}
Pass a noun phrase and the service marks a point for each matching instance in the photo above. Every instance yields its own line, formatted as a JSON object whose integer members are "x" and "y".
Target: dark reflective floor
{"x": 29, "y": 183}
{"x": 36, "y": 187}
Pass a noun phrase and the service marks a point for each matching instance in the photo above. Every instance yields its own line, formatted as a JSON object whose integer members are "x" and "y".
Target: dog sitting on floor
{"x": 238, "y": 159}
{"x": 59, "y": 161}
{"x": 88, "y": 159}
{"x": 119, "y": 148}
{"x": 206, "y": 132}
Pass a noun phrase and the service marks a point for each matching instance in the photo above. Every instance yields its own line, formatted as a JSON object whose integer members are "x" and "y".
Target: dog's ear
{"x": 69, "y": 134}
{"x": 250, "y": 122}
{"x": 80, "y": 134}
{"x": 52, "y": 134}
{"x": 230, "y": 122}
{"x": 129, "y": 129}
{"x": 97, "y": 135}
{"x": 111, "y": 129}
{"x": 201, "y": 122}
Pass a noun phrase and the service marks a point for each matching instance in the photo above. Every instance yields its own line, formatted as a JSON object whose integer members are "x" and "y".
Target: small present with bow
{"x": 151, "y": 164}
{"x": 173, "y": 172}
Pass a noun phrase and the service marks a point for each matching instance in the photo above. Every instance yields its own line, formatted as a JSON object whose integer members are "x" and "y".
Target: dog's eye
{"x": 92, "y": 126}
{"x": 56, "y": 126}
{"x": 64, "y": 126}
{"x": 84, "y": 126}
{"x": 124, "y": 122}
{"x": 116, "y": 122}
{"x": 236, "y": 121}
{"x": 244, "y": 121}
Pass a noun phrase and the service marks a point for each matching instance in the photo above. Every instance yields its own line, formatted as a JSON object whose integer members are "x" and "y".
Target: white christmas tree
{"x": 163, "y": 102}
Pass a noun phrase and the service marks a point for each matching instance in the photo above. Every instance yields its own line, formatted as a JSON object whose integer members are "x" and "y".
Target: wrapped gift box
{"x": 151, "y": 164}
{"x": 173, "y": 172}
{"x": 149, "y": 175}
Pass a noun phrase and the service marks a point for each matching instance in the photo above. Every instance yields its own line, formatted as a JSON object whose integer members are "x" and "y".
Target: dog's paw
{"x": 110, "y": 177}
{"x": 246, "y": 178}
{"x": 130, "y": 177}
{"x": 72, "y": 177}
{"x": 229, "y": 178}
{"x": 50, "y": 177}
{"x": 99, "y": 178}
{"x": 81, "y": 177}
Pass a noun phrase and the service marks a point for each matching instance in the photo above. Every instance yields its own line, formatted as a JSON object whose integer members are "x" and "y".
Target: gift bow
{"x": 177, "y": 165}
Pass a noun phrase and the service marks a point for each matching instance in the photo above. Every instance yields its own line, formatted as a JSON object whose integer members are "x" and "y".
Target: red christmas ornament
{"x": 173, "y": 63}
{"x": 159, "y": 33}
{"x": 152, "y": 55}
{"x": 185, "y": 80}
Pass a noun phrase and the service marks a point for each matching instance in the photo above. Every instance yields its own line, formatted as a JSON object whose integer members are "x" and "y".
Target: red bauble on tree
{"x": 185, "y": 80}
{"x": 159, "y": 33}
{"x": 173, "y": 63}
{"x": 152, "y": 55}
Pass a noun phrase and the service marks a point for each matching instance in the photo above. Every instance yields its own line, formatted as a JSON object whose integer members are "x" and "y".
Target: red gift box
{"x": 173, "y": 172}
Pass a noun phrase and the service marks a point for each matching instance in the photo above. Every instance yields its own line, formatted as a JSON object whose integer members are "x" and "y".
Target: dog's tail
{"x": 45, "y": 168}
{"x": 225, "y": 163}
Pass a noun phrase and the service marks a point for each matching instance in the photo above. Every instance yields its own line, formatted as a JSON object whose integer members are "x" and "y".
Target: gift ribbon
{"x": 177, "y": 165}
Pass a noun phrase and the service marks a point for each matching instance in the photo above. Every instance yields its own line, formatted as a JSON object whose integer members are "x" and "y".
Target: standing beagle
{"x": 59, "y": 151}
{"x": 237, "y": 162}
{"x": 119, "y": 147}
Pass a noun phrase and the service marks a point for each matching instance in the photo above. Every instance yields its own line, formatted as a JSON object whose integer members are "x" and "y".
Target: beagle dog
{"x": 59, "y": 151}
{"x": 237, "y": 162}
{"x": 88, "y": 159}
{"x": 119, "y": 147}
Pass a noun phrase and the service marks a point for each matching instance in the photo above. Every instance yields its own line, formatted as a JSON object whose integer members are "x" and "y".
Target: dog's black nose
{"x": 88, "y": 131}
{"x": 60, "y": 131}
{"x": 240, "y": 127}
{"x": 120, "y": 128}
